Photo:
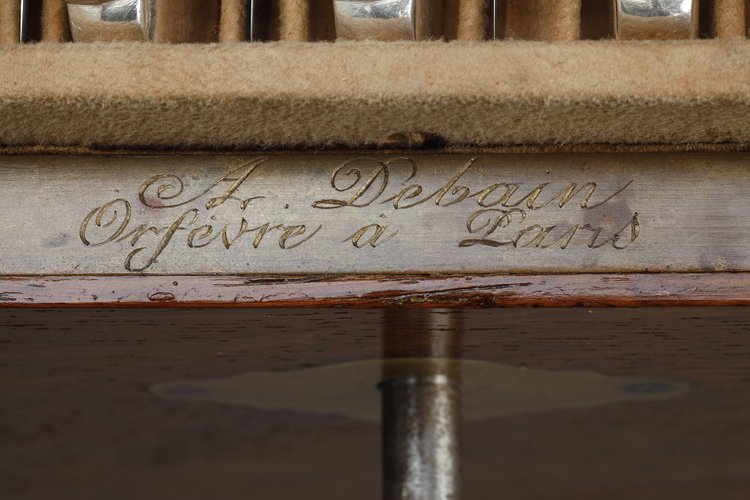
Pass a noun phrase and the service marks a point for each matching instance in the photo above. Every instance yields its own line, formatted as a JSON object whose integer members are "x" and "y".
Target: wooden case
{"x": 669, "y": 115}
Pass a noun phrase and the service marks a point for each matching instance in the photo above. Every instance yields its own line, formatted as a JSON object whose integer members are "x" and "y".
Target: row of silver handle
{"x": 389, "y": 20}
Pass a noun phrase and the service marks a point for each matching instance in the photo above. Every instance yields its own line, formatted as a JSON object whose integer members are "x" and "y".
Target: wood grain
{"x": 79, "y": 422}
{"x": 10, "y": 22}
{"x": 591, "y": 290}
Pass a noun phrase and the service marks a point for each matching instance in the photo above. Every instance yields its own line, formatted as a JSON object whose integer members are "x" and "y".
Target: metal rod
{"x": 497, "y": 19}
{"x": 421, "y": 405}
{"x": 257, "y": 20}
{"x": 23, "y": 20}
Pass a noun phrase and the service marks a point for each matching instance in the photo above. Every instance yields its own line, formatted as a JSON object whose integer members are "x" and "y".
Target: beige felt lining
{"x": 728, "y": 18}
{"x": 9, "y": 22}
{"x": 233, "y": 21}
{"x": 55, "y": 21}
{"x": 471, "y": 20}
{"x": 294, "y": 20}
{"x": 550, "y": 20}
{"x": 279, "y": 95}
{"x": 291, "y": 95}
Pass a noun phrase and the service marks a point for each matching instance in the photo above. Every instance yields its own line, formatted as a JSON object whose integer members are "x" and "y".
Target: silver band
{"x": 23, "y": 11}
{"x": 138, "y": 20}
{"x": 495, "y": 27}
{"x": 385, "y": 20}
{"x": 129, "y": 20}
{"x": 656, "y": 19}
{"x": 257, "y": 19}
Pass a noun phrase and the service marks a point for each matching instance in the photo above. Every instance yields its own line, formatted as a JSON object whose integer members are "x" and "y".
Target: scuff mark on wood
{"x": 476, "y": 291}
{"x": 8, "y": 296}
{"x": 161, "y": 297}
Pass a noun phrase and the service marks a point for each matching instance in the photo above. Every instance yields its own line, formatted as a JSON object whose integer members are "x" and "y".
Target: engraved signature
{"x": 539, "y": 236}
{"x": 370, "y": 188}
{"x": 367, "y": 181}
{"x": 113, "y": 219}
{"x": 501, "y": 216}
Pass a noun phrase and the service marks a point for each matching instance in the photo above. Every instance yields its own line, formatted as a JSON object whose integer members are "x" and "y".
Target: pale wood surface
{"x": 380, "y": 214}
{"x": 593, "y": 290}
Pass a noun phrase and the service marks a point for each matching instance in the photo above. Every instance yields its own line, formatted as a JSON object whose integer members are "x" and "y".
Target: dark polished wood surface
{"x": 78, "y": 421}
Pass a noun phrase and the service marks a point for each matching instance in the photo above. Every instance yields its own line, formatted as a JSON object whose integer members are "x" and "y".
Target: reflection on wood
{"x": 76, "y": 400}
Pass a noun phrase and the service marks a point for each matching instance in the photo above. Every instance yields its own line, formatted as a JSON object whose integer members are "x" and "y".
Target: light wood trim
{"x": 589, "y": 290}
